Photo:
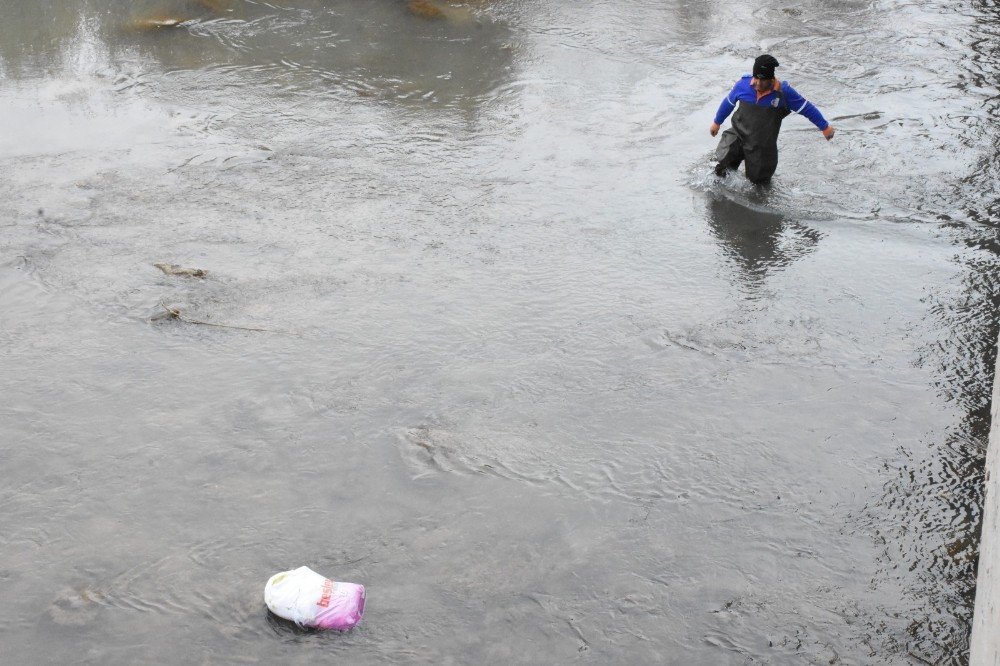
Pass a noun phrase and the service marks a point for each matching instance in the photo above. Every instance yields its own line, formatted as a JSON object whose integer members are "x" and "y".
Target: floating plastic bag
{"x": 310, "y": 600}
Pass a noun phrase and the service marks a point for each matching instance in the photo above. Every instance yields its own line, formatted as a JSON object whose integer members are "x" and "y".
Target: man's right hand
{"x": 714, "y": 129}
{"x": 828, "y": 132}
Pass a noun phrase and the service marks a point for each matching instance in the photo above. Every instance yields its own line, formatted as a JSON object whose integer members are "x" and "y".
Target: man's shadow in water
{"x": 757, "y": 242}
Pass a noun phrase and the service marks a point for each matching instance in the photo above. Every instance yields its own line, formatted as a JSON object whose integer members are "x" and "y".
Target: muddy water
{"x": 485, "y": 334}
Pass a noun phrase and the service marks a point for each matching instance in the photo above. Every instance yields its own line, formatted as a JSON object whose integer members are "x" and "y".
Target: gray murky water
{"x": 529, "y": 373}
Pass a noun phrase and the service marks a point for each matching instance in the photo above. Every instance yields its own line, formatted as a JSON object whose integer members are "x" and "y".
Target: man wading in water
{"x": 764, "y": 103}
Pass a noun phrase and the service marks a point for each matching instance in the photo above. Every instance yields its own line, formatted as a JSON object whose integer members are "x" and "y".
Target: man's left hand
{"x": 828, "y": 132}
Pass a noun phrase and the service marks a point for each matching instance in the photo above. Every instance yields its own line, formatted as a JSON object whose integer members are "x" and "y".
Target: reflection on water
{"x": 757, "y": 242}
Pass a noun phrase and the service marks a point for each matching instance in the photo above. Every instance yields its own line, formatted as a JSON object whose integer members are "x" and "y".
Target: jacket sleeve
{"x": 802, "y": 106}
{"x": 727, "y": 106}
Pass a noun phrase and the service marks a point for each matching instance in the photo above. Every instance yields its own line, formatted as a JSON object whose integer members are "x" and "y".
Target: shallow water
{"x": 519, "y": 364}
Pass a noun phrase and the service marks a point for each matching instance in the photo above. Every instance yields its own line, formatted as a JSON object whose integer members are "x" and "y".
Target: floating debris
{"x": 217, "y": 6}
{"x": 450, "y": 11}
{"x": 178, "y": 17}
{"x": 425, "y": 9}
{"x": 76, "y": 607}
{"x": 174, "y": 269}
{"x": 174, "y": 313}
{"x": 309, "y": 599}
{"x": 157, "y": 22}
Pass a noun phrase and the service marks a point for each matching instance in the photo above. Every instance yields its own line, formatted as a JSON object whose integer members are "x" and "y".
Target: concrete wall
{"x": 985, "y": 642}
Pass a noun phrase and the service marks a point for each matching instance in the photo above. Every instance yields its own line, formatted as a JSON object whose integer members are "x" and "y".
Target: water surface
{"x": 518, "y": 362}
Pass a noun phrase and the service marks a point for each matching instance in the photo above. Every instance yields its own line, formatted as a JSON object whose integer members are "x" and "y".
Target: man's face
{"x": 762, "y": 85}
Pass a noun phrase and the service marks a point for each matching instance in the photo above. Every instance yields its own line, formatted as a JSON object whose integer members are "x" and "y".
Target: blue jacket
{"x": 742, "y": 92}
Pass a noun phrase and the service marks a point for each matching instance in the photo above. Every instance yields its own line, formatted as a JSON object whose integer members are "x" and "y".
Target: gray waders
{"x": 753, "y": 139}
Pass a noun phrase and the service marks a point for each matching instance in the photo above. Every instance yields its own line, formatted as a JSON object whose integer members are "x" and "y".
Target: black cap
{"x": 763, "y": 66}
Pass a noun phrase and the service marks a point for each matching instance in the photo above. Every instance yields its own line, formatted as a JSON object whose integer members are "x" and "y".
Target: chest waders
{"x": 753, "y": 139}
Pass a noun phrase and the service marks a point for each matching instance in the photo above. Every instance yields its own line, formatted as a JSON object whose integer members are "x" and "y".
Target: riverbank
{"x": 984, "y": 649}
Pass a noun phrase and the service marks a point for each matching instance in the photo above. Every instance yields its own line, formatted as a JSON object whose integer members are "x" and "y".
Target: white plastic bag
{"x": 310, "y": 600}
